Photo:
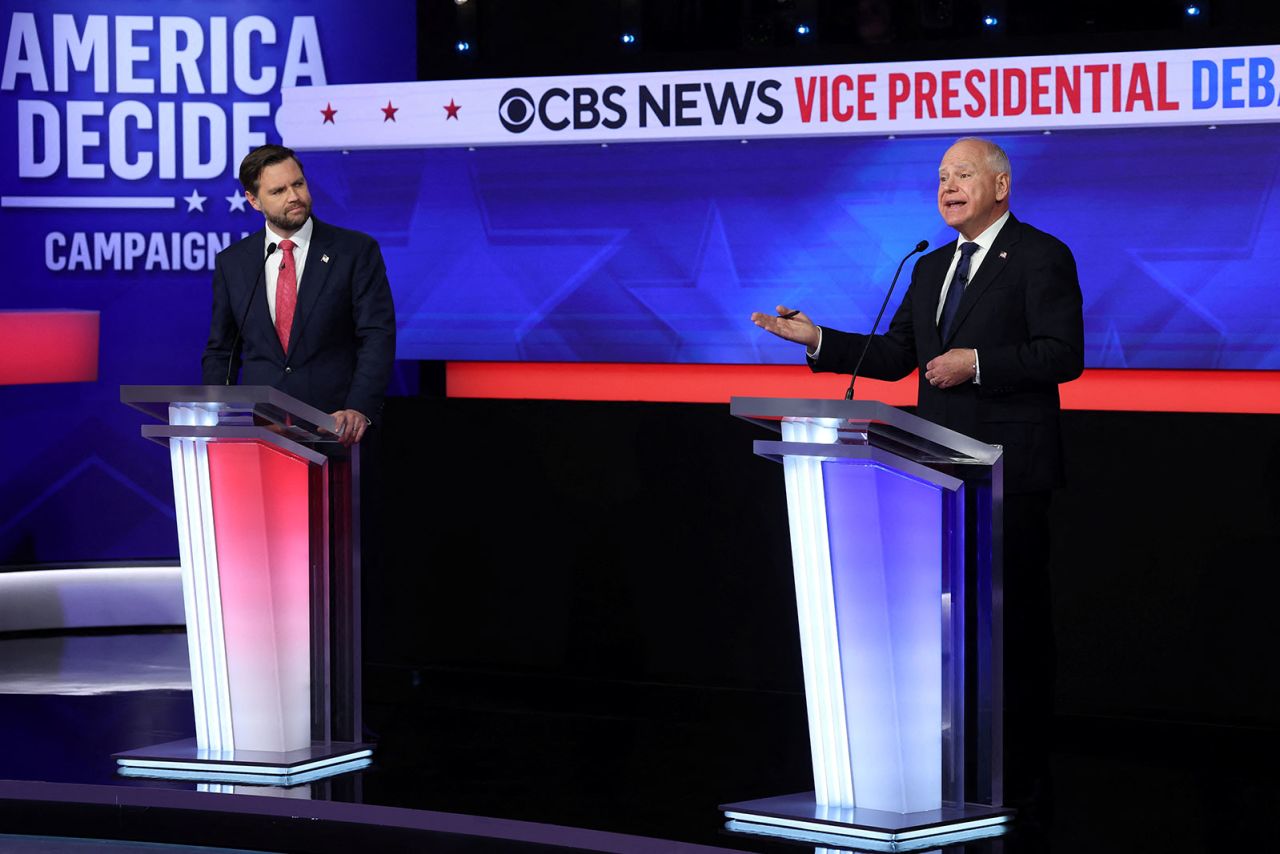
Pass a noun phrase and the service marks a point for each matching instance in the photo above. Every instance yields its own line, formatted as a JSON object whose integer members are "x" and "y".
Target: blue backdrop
{"x": 77, "y": 483}
{"x": 659, "y": 252}
{"x": 653, "y": 253}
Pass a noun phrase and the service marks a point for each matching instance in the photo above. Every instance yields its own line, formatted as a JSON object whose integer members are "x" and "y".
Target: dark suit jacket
{"x": 1023, "y": 314}
{"x": 343, "y": 340}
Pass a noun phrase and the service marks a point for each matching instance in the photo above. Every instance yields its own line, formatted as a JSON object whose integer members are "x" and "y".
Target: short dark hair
{"x": 260, "y": 158}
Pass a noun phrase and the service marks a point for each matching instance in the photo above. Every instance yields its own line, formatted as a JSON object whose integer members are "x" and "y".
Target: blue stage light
{"x": 803, "y": 30}
{"x": 990, "y": 21}
{"x": 1192, "y": 10}
{"x": 628, "y": 38}
{"x": 463, "y": 47}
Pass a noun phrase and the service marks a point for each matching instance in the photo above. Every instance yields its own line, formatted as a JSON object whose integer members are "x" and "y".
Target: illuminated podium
{"x": 266, "y": 502}
{"x": 896, "y": 548}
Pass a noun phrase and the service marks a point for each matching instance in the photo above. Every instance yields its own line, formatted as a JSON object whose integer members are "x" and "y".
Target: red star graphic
{"x": 452, "y": 110}
{"x": 328, "y": 112}
{"x": 389, "y": 112}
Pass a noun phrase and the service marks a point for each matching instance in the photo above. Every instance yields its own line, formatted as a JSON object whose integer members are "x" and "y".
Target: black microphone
{"x": 920, "y": 247}
{"x": 244, "y": 315}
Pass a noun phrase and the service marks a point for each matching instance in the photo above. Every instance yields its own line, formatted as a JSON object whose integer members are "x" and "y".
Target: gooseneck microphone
{"x": 244, "y": 315}
{"x": 920, "y": 247}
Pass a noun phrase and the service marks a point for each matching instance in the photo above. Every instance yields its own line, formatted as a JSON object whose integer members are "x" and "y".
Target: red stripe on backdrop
{"x": 48, "y": 347}
{"x": 1121, "y": 390}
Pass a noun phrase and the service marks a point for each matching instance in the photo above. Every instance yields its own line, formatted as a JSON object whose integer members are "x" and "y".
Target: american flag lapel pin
{"x": 1002, "y": 255}
{"x": 325, "y": 258}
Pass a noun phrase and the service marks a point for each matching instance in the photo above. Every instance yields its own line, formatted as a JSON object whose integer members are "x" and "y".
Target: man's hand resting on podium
{"x": 790, "y": 325}
{"x": 350, "y": 427}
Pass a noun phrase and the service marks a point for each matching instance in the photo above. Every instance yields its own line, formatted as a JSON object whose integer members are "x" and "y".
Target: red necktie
{"x": 286, "y": 293}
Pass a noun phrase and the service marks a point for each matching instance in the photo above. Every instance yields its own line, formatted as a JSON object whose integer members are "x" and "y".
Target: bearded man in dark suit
{"x": 318, "y": 318}
{"x": 993, "y": 322}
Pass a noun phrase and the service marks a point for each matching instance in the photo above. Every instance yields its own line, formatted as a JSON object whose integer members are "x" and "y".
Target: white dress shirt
{"x": 984, "y": 242}
{"x": 301, "y": 241}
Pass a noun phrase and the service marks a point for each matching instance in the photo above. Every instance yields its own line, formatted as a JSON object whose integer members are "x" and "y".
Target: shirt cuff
{"x": 817, "y": 349}
{"x": 977, "y": 369}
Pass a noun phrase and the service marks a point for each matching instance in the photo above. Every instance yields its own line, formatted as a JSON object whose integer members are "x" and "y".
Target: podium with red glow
{"x": 266, "y": 503}
{"x": 896, "y": 549}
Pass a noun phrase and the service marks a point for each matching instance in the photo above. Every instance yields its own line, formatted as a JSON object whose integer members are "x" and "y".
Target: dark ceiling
{"x": 539, "y": 37}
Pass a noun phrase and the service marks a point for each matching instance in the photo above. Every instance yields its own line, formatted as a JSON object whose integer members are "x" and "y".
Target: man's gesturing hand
{"x": 798, "y": 328}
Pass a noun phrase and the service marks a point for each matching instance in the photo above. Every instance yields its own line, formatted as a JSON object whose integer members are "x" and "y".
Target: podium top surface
{"x": 870, "y": 422}
{"x": 236, "y": 406}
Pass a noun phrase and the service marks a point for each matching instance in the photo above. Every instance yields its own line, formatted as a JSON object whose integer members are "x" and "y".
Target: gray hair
{"x": 997, "y": 160}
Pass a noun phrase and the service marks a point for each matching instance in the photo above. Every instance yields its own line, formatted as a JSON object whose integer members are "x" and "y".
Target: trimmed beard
{"x": 283, "y": 224}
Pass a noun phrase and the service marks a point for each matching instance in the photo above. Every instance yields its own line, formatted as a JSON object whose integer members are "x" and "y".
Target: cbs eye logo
{"x": 517, "y": 110}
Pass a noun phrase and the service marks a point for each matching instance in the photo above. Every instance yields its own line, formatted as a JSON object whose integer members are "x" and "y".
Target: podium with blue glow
{"x": 266, "y": 503}
{"x": 896, "y": 549}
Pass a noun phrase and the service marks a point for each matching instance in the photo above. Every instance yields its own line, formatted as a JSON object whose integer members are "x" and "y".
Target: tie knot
{"x": 287, "y": 245}
{"x": 966, "y": 249}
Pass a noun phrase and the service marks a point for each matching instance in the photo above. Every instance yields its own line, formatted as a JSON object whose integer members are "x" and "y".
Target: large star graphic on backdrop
{"x": 389, "y": 112}
{"x": 195, "y": 201}
{"x": 1214, "y": 300}
{"x": 710, "y": 313}
{"x": 328, "y": 112}
{"x": 880, "y": 225}
{"x": 526, "y": 267}
{"x": 49, "y": 484}
{"x": 235, "y": 201}
{"x": 451, "y": 110}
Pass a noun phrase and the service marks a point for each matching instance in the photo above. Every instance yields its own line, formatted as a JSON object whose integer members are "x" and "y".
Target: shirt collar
{"x": 987, "y": 237}
{"x": 301, "y": 238}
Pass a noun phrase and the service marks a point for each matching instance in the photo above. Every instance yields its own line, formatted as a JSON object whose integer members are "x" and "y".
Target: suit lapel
{"x": 993, "y": 264}
{"x": 934, "y": 295}
{"x": 314, "y": 279}
{"x": 254, "y": 287}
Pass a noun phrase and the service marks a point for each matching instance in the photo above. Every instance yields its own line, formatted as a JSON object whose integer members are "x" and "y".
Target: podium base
{"x": 800, "y": 817}
{"x": 183, "y": 760}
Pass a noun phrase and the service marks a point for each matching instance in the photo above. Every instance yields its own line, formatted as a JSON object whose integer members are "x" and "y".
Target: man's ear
{"x": 253, "y": 200}
{"x": 1002, "y": 187}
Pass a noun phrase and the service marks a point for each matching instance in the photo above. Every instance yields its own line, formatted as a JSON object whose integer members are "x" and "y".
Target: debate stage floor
{"x": 546, "y": 765}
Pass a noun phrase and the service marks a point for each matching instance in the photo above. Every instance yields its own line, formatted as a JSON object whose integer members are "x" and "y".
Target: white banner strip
{"x": 1132, "y": 89}
{"x": 104, "y": 202}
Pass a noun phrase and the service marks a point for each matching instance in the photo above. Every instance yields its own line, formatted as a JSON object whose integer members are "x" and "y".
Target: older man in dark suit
{"x": 993, "y": 322}
{"x": 301, "y": 305}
